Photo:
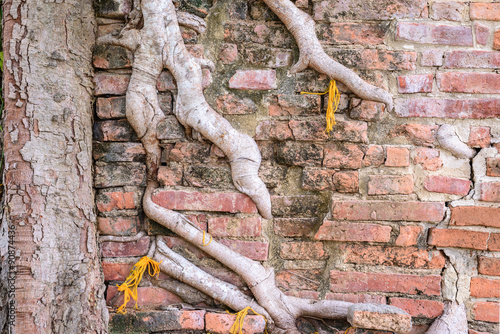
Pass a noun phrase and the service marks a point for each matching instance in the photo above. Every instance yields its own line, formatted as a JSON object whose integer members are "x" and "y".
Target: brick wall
{"x": 377, "y": 212}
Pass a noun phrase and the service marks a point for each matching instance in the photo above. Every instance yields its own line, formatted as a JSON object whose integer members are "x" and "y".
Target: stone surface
{"x": 381, "y": 317}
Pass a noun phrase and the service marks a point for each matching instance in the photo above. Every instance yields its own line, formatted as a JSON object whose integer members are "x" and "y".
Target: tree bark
{"x": 49, "y": 206}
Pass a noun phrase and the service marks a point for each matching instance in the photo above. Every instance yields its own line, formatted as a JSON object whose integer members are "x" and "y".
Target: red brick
{"x": 114, "y": 130}
{"x": 374, "y": 156}
{"x": 116, "y": 271}
{"x": 122, "y": 174}
{"x": 419, "y": 308}
{"x": 460, "y": 82}
{"x": 118, "y": 152}
{"x": 417, "y": 134}
{"x": 485, "y": 11}
{"x": 298, "y": 205}
{"x": 447, "y": 108}
{"x": 318, "y": 179}
{"x": 352, "y": 33}
{"x": 434, "y": 34}
{"x": 346, "y": 231}
{"x": 299, "y": 154}
{"x": 235, "y": 227}
{"x": 264, "y": 56}
{"x": 228, "y": 53}
{"x": 147, "y": 297}
{"x": 471, "y": 331}
{"x": 482, "y": 33}
{"x": 125, "y": 249}
{"x": 299, "y": 279}
{"x": 291, "y": 105}
{"x": 479, "y": 136}
{"x": 254, "y": 250}
{"x": 471, "y": 59}
{"x": 170, "y": 129}
{"x": 112, "y": 57}
{"x": 431, "y": 58}
{"x": 330, "y": 10}
{"x": 415, "y": 83}
{"x": 294, "y": 227}
{"x": 447, "y": 185}
{"x": 475, "y": 216}
{"x": 388, "y": 211}
{"x": 253, "y": 79}
{"x": 116, "y": 200}
{"x": 484, "y": 288}
{"x": 390, "y": 184}
{"x": 170, "y": 176}
{"x": 189, "y": 152}
{"x": 489, "y": 266}
{"x": 314, "y": 130}
{"x": 494, "y": 242}
{"x": 341, "y": 281}
{"x": 452, "y": 11}
{"x": 458, "y": 238}
{"x": 196, "y": 201}
{"x": 346, "y": 182}
{"x": 487, "y": 311}
{"x": 356, "y": 298}
{"x": 118, "y": 225}
{"x": 273, "y": 130}
{"x": 303, "y": 294}
{"x": 493, "y": 167}
{"x": 221, "y": 323}
{"x": 428, "y": 158}
{"x": 496, "y": 40}
{"x": 366, "y": 110}
{"x": 302, "y": 250}
{"x": 490, "y": 191}
{"x": 111, "y": 83}
{"x": 408, "y": 235}
{"x": 183, "y": 246}
{"x": 397, "y": 157}
{"x": 374, "y": 59}
{"x": 110, "y": 107}
{"x": 343, "y": 155}
{"x": 231, "y": 104}
{"x": 410, "y": 257}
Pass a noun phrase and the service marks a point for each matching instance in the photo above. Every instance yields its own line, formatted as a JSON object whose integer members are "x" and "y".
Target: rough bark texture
{"x": 48, "y": 173}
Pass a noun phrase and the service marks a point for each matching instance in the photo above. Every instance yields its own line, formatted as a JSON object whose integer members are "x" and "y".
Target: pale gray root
{"x": 301, "y": 26}
{"x": 452, "y": 321}
{"x": 181, "y": 269}
{"x": 448, "y": 139}
{"x": 192, "y": 21}
{"x": 192, "y": 110}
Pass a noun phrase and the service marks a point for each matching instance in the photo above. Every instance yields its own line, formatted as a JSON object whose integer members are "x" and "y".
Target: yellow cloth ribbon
{"x": 129, "y": 287}
{"x": 333, "y": 104}
{"x": 237, "y": 327}
{"x": 203, "y": 241}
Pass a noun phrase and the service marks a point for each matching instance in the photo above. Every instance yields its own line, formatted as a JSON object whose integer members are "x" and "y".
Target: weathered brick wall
{"x": 375, "y": 213}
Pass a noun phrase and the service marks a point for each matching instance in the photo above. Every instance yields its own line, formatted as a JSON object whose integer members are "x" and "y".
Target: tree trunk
{"x": 52, "y": 257}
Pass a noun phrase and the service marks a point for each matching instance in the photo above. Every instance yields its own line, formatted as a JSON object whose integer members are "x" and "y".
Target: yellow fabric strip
{"x": 129, "y": 287}
{"x": 333, "y": 104}
{"x": 237, "y": 327}
{"x": 203, "y": 241}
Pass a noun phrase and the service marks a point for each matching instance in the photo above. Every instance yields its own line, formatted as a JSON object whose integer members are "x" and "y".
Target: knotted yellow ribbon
{"x": 237, "y": 327}
{"x": 129, "y": 287}
{"x": 333, "y": 104}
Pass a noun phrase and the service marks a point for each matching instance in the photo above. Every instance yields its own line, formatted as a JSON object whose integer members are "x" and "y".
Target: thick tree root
{"x": 301, "y": 26}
